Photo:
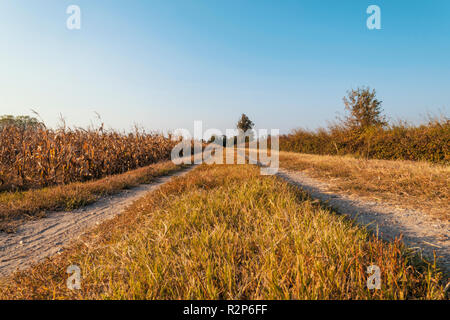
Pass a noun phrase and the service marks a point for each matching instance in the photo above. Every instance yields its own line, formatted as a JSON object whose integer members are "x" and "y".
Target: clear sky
{"x": 163, "y": 64}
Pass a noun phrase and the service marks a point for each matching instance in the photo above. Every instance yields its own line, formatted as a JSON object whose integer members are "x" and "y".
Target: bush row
{"x": 429, "y": 142}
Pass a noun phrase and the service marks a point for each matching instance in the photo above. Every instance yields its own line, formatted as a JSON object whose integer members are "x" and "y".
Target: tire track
{"x": 36, "y": 240}
{"x": 419, "y": 232}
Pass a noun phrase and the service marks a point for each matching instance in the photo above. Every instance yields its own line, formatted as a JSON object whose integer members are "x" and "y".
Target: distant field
{"x": 226, "y": 232}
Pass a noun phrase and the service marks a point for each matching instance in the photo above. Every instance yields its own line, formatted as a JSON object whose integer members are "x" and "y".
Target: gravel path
{"x": 36, "y": 240}
{"x": 419, "y": 231}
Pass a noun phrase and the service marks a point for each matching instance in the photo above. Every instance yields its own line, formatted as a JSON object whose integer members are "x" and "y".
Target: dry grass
{"x": 225, "y": 232}
{"x": 417, "y": 185}
{"x": 16, "y": 206}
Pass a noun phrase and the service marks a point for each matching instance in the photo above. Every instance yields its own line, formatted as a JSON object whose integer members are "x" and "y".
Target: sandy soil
{"x": 37, "y": 240}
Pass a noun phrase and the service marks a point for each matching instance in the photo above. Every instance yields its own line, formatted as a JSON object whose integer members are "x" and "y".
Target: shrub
{"x": 427, "y": 142}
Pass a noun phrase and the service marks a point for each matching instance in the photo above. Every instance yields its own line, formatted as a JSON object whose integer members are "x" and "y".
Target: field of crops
{"x": 39, "y": 157}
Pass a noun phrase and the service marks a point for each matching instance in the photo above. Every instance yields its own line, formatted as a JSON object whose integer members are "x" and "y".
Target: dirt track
{"x": 419, "y": 231}
{"x": 37, "y": 240}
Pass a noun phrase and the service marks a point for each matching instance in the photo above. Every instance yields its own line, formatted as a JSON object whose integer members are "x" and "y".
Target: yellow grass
{"x": 16, "y": 206}
{"x": 225, "y": 232}
{"x": 417, "y": 185}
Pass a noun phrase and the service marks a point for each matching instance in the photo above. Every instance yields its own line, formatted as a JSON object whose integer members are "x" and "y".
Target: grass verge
{"x": 16, "y": 206}
{"x": 225, "y": 232}
{"x": 415, "y": 185}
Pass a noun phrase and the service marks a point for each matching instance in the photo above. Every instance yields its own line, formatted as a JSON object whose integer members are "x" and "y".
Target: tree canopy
{"x": 23, "y": 122}
{"x": 245, "y": 123}
{"x": 364, "y": 109}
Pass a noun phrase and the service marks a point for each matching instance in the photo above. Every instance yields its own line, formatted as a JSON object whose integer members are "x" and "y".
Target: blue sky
{"x": 163, "y": 64}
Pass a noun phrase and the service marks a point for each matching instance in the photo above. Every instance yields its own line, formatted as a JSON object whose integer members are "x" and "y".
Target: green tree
{"x": 245, "y": 123}
{"x": 364, "y": 109}
{"x": 23, "y": 122}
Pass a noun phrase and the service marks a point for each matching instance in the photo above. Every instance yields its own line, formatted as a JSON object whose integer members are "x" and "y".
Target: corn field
{"x": 40, "y": 157}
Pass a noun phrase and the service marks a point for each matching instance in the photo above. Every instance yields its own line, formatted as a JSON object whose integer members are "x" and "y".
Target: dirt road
{"x": 37, "y": 240}
{"x": 420, "y": 232}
